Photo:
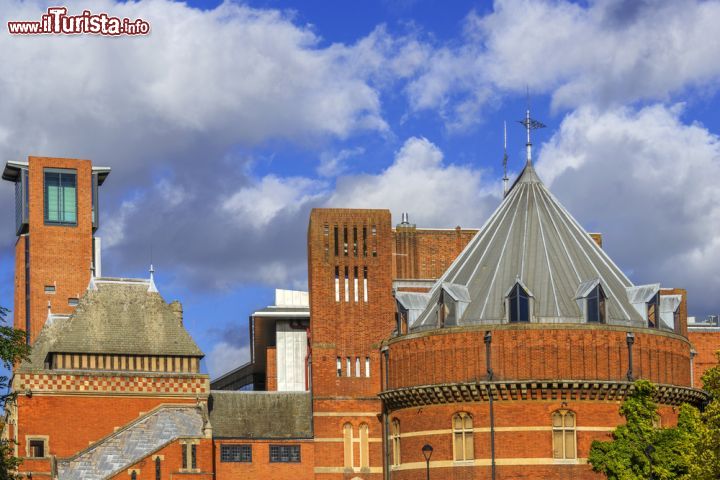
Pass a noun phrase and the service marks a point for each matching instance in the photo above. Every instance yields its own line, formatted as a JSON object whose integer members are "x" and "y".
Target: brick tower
{"x": 56, "y": 215}
{"x": 351, "y": 310}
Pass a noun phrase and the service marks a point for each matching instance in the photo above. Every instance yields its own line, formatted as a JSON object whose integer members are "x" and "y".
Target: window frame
{"x": 596, "y": 294}
{"x": 564, "y": 429}
{"x": 46, "y": 217}
{"x": 243, "y": 450}
{"x": 189, "y": 456}
{"x": 513, "y": 299}
{"x": 29, "y": 439}
{"x": 395, "y": 441}
{"x": 467, "y": 435}
{"x": 285, "y": 458}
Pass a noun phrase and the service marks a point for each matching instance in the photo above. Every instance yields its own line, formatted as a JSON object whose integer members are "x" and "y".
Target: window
{"x": 519, "y": 304}
{"x": 335, "y": 237}
{"x": 339, "y": 367}
{"x": 364, "y": 446}
{"x": 133, "y": 475}
{"x": 563, "y": 431}
{"x": 395, "y": 441}
{"x": 355, "y": 284}
{"x": 653, "y": 311}
{"x": 36, "y": 448}
{"x": 347, "y": 285}
{"x": 345, "y": 241}
{"x": 357, "y": 367}
{"x": 337, "y": 284}
{"x": 365, "y": 285}
{"x": 73, "y": 302}
{"x": 189, "y": 456}
{"x": 462, "y": 426}
{"x": 158, "y": 469}
{"x": 348, "y": 445}
{"x": 367, "y": 367}
{"x": 236, "y": 453}
{"x": 49, "y": 288}
{"x": 596, "y": 305}
{"x": 348, "y": 366}
{"x": 60, "y": 197}
{"x": 284, "y": 453}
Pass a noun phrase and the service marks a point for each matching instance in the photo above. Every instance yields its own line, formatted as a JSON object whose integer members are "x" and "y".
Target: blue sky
{"x": 230, "y": 121}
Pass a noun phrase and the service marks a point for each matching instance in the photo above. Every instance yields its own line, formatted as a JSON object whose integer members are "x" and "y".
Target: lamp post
{"x": 427, "y": 453}
{"x": 630, "y": 339}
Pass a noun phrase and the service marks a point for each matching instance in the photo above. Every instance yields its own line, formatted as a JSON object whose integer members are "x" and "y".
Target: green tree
{"x": 13, "y": 349}
{"x": 639, "y": 450}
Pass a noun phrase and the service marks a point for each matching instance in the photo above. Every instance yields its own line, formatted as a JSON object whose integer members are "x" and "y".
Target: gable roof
{"x": 116, "y": 316}
{"x": 533, "y": 239}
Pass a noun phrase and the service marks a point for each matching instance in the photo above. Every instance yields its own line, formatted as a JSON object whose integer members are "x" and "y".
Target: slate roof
{"x": 117, "y": 316}
{"x": 269, "y": 415}
{"x": 531, "y": 238}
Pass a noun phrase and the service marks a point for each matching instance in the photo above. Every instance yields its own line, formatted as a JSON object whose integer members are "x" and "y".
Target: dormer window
{"x": 595, "y": 305}
{"x": 518, "y": 304}
{"x": 454, "y": 299}
{"x": 653, "y": 311}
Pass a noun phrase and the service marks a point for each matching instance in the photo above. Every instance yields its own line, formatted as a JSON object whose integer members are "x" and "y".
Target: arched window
{"x": 563, "y": 430}
{"x": 596, "y": 305}
{"x": 462, "y": 426}
{"x": 348, "y": 445}
{"x": 133, "y": 475}
{"x": 395, "y": 440}
{"x": 518, "y": 304}
{"x": 158, "y": 471}
{"x": 364, "y": 446}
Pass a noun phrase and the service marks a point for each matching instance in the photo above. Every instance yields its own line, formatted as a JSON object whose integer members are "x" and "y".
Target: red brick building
{"x": 508, "y": 349}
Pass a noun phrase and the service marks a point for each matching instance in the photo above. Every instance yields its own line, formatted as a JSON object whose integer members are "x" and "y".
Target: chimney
{"x": 177, "y": 310}
{"x": 405, "y": 219}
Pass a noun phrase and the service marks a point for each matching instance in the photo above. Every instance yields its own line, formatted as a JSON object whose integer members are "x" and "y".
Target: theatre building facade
{"x": 508, "y": 349}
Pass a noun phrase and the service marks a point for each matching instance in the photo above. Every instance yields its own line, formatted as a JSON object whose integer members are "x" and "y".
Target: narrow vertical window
{"x": 348, "y": 366}
{"x": 365, "y": 284}
{"x": 563, "y": 431}
{"x": 463, "y": 447}
{"x": 184, "y": 456}
{"x": 193, "y": 456}
{"x": 339, "y": 367}
{"x": 335, "y": 239}
{"x": 347, "y": 285}
{"x": 355, "y": 243}
{"x": 364, "y": 446}
{"x": 326, "y": 240}
{"x": 395, "y": 440}
{"x": 348, "y": 445}
{"x": 158, "y": 470}
{"x": 357, "y": 367}
{"x": 345, "y": 241}
{"x": 374, "y": 239}
{"x": 595, "y": 302}
{"x": 356, "y": 292}
{"x": 133, "y": 475}
{"x": 653, "y": 311}
{"x": 337, "y": 284}
{"x": 364, "y": 240}
{"x": 367, "y": 367}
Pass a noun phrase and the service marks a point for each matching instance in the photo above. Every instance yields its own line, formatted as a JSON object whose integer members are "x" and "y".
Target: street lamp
{"x": 427, "y": 453}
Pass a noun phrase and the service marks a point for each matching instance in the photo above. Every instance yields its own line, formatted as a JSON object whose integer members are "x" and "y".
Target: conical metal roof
{"x": 530, "y": 239}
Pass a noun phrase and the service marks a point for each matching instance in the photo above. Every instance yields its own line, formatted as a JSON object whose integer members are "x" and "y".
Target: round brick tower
{"x": 522, "y": 352}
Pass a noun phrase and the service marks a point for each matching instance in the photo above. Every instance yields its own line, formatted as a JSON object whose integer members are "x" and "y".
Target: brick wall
{"x": 271, "y": 372}
{"x": 538, "y": 352}
{"x": 425, "y": 253}
{"x": 706, "y": 343}
{"x": 171, "y": 463}
{"x": 261, "y": 467}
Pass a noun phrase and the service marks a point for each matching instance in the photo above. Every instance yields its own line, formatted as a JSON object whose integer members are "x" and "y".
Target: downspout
{"x": 693, "y": 354}
{"x": 488, "y": 364}
{"x": 384, "y": 376}
{"x": 630, "y": 339}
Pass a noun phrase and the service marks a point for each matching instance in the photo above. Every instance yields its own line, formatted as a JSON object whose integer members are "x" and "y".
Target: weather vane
{"x": 530, "y": 124}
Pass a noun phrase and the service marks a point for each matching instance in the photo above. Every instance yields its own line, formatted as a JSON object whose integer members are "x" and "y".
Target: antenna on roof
{"x": 505, "y": 160}
{"x": 530, "y": 124}
{"x": 152, "y": 288}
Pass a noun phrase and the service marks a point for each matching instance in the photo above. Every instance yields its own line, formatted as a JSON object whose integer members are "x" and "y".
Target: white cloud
{"x": 647, "y": 181}
{"x": 333, "y": 164}
{"x": 260, "y": 203}
{"x": 225, "y": 357}
{"x": 419, "y": 182}
{"x": 607, "y": 53}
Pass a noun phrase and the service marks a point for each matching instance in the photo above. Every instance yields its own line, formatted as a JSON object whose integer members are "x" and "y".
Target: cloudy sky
{"x": 231, "y": 120}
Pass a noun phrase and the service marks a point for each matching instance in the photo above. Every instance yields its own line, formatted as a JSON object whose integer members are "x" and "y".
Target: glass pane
{"x": 524, "y": 309}
{"x": 468, "y": 422}
{"x": 513, "y": 309}
{"x": 469, "y": 452}
{"x": 457, "y": 422}
{"x": 69, "y": 198}
{"x": 52, "y": 202}
{"x": 557, "y": 420}
{"x": 570, "y": 444}
{"x": 557, "y": 444}
{"x": 569, "y": 420}
{"x": 592, "y": 309}
{"x": 458, "y": 454}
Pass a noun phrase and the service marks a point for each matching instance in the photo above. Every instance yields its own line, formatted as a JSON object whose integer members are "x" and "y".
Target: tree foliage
{"x": 13, "y": 349}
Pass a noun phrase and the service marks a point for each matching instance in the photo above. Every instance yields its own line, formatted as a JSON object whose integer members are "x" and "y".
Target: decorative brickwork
{"x": 118, "y": 384}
